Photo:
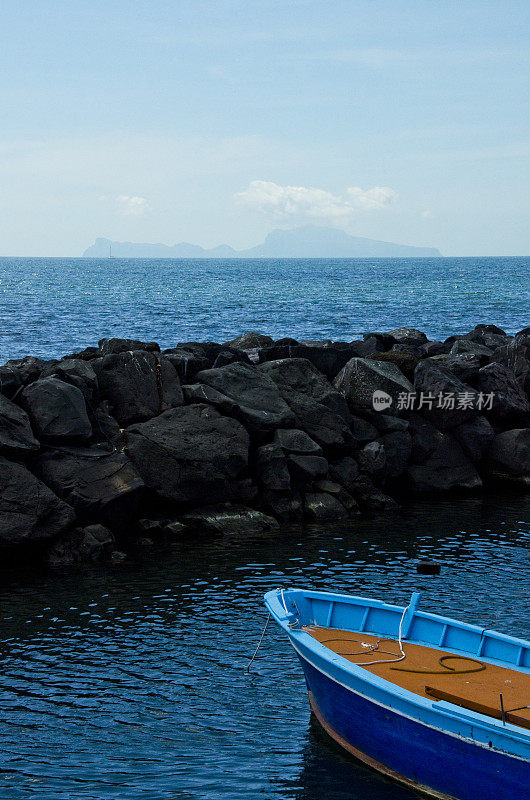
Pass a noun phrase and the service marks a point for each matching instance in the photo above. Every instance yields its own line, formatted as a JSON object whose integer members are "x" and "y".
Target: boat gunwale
{"x": 441, "y": 708}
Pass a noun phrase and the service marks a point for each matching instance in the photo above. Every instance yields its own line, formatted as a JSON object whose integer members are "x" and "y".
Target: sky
{"x": 215, "y": 122}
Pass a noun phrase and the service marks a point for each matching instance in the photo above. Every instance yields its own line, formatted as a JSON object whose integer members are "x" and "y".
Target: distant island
{"x": 309, "y": 241}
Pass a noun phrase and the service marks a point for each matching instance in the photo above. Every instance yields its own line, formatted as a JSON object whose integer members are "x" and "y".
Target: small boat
{"x": 439, "y": 705}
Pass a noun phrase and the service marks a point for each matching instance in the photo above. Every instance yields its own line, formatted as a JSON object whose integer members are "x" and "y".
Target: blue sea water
{"x": 53, "y": 306}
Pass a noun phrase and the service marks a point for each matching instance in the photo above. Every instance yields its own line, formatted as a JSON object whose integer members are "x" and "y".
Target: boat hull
{"x": 427, "y": 759}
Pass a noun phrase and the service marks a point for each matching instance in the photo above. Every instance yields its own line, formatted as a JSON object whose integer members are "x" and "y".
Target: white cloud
{"x": 132, "y": 205}
{"x": 287, "y": 203}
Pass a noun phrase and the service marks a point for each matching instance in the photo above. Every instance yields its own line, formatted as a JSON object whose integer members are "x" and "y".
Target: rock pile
{"x": 124, "y": 442}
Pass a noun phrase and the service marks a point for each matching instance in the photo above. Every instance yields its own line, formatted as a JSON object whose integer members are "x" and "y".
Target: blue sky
{"x": 217, "y": 121}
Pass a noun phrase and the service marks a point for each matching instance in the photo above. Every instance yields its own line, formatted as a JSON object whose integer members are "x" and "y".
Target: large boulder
{"x": 516, "y": 355}
{"x": 190, "y": 454}
{"x": 474, "y": 437}
{"x": 398, "y": 448}
{"x": 230, "y": 520}
{"x": 10, "y": 380}
{"x": 361, "y": 379}
{"x": 78, "y": 372}
{"x": 408, "y": 336}
{"x": 404, "y": 361}
{"x": 138, "y": 385}
{"x": 247, "y": 341}
{"x": 509, "y": 404}
{"x": 57, "y": 410}
{"x": 327, "y": 358}
{"x": 306, "y": 469}
{"x": 109, "y": 346}
{"x": 81, "y": 546}
{"x": 271, "y": 467}
{"x": 464, "y": 366}
{"x": 102, "y": 485}
{"x": 445, "y": 469}
{"x": 372, "y": 459}
{"x": 323, "y": 507}
{"x": 442, "y": 397}
{"x": 508, "y": 458}
{"x": 319, "y": 410}
{"x": 16, "y": 436}
{"x": 187, "y": 363}
{"x": 291, "y": 440}
{"x": 255, "y": 398}
{"x": 29, "y": 368}
{"x": 29, "y": 511}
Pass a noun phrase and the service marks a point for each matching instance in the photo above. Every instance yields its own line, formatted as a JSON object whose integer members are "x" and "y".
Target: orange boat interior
{"x": 468, "y": 682}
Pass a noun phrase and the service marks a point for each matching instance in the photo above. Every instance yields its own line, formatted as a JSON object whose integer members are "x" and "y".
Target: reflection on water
{"x": 130, "y": 682}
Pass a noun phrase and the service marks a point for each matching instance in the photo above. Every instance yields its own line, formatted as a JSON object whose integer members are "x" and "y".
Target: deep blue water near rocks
{"x": 49, "y": 307}
{"x": 129, "y": 682}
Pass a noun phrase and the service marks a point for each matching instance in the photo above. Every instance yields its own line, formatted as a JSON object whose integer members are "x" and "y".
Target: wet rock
{"x": 323, "y": 507}
{"x": 319, "y": 410}
{"x": 474, "y": 438}
{"x": 434, "y": 386}
{"x": 508, "y": 458}
{"x": 114, "y": 346}
{"x": 251, "y": 339}
{"x": 271, "y": 467}
{"x": 57, "y": 410}
{"x": 286, "y": 506}
{"x": 10, "y": 381}
{"x": 307, "y": 468}
{"x": 338, "y": 491}
{"x": 445, "y": 469}
{"x": 80, "y": 546}
{"x": 361, "y": 377}
{"x": 370, "y": 497}
{"x": 372, "y": 459}
{"x": 230, "y": 521}
{"x": 258, "y": 403}
{"x": 16, "y": 436}
{"x": 29, "y": 511}
{"x": 138, "y": 385}
{"x": 100, "y": 485}
{"x": 510, "y": 405}
{"x": 191, "y": 453}
{"x": 292, "y": 440}
{"x": 77, "y": 372}
{"x": 398, "y": 448}
{"x": 404, "y": 361}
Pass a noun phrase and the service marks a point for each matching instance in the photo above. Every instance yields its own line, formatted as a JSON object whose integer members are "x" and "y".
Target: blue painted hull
{"x": 442, "y": 764}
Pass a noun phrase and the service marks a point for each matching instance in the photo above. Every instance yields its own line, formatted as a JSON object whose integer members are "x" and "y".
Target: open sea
{"x": 128, "y": 682}
{"x": 54, "y": 306}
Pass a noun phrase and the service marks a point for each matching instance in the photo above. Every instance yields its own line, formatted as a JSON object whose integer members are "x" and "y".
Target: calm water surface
{"x": 130, "y": 682}
{"x": 51, "y": 306}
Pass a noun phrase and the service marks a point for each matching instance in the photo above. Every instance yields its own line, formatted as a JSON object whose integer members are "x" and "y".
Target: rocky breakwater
{"x": 119, "y": 444}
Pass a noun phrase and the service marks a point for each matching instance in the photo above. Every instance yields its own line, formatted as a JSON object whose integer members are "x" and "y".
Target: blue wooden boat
{"x": 439, "y": 705}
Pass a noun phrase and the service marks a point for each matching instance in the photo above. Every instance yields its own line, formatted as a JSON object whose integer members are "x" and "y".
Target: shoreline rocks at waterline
{"x": 122, "y": 443}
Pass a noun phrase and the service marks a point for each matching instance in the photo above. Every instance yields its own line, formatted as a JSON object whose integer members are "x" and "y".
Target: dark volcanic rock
{"x": 404, "y": 361}
{"x": 363, "y": 431}
{"x": 57, "y": 410}
{"x": 370, "y": 497}
{"x": 10, "y": 381}
{"x": 361, "y": 377}
{"x": 474, "y": 437}
{"x": 320, "y": 411}
{"x": 226, "y": 357}
{"x": 516, "y": 356}
{"x": 186, "y": 363}
{"x": 110, "y": 346}
{"x": 291, "y": 440}
{"x": 445, "y": 469}
{"x": 465, "y": 366}
{"x": 231, "y": 520}
{"x": 408, "y": 336}
{"x": 249, "y": 340}
{"x": 16, "y": 436}
{"x": 328, "y": 359}
{"x": 257, "y": 401}
{"x": 30, "y": 368}
{"x": 286, "y": 506}
{"x": 482, "y": 352}
{"x": 344, "y": 471}
{"x": 81, "y": 546}
{"x": 138, "y": 385}
{"x": 191, "y": 454}
{"x": 307, "y": 468}
{"x": 29, "y": 511}
{"x": 372, "y": 459}
{"x": 434, "y": 385}
{"x": 77, "y": 372}
{"x": 321, "y": 506}
{"x": 508, "y": 458}
{"x": 398, "y": 448}
{"x": 271, "y": 467}
{"x": 100, "y": 485}
{"x": 510, "y": 404}
{"x": 434, "y": 349}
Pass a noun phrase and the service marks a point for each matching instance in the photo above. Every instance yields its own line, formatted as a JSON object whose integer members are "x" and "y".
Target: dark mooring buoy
{"x": 428, "y": 567}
